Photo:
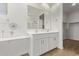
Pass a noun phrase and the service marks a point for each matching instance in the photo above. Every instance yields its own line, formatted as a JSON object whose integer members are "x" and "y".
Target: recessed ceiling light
{"x": 73, "y": 4}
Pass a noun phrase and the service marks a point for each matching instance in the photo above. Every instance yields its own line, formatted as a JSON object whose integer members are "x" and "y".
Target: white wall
{"x": 57, "y": 22}
{"x": 74, "y": 16}
{"x": 3, "y": 24}
{"x": 74, "y": 31}
{"x": 65, "y": 17}
{"x": 60, "y": 25}
{"x": 74, "y": 25}
{"x": 65, "y": 25}
{"x": 52, "y": 18}
{"x": 17, "y": 13}
{"x": 47, "y": 19}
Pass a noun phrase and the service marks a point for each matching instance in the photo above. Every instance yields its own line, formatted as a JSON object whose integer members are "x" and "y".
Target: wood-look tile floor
{"x": 71, "y": 48}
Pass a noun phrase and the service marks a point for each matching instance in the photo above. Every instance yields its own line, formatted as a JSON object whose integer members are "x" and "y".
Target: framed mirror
{"x": 35, "y": 18}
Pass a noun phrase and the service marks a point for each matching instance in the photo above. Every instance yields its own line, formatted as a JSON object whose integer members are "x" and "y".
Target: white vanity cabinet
{"x": 36, "y": 50}
{"x": 43, "y": 42}
{"x": 52, "y": 43}
{"x": 44, "y": 45}
{"x": 15, "y": 47}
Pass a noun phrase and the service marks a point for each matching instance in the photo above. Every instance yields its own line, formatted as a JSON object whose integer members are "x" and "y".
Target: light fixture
{"x": 45, "y": 5}
{"x": 73, "y": 4}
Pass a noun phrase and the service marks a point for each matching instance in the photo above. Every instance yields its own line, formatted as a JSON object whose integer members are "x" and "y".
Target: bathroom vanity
{"x": 43, "y": 42}
{"x": 43, "y": 32}
{"x": 15, "y": 46}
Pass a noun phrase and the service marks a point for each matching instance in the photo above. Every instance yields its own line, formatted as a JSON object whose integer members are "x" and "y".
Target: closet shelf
{"x": 73, "y": 22}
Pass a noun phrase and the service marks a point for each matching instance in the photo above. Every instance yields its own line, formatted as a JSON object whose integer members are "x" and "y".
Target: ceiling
{"x": 42, "y": 5}
{"x": 50, "y": 4}
{"x": 68, "y": 8}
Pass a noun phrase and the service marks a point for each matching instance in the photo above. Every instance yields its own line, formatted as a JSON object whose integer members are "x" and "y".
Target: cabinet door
{"x": 19, "y": 46}
{"x": 4, "y": 48}
{"x": 44, "y": 45}
{"x": 52, "y": 43}
{"x": 37, "y": 47}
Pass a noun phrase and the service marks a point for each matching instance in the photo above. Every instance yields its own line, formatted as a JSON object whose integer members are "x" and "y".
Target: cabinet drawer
{"x": 52, "y": 34}
{"x": 40, "y": 36}
{"x": 44, "y": 35}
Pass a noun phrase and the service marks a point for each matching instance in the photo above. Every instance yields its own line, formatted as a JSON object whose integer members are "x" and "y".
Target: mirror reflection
{"x": 35, "y": 18}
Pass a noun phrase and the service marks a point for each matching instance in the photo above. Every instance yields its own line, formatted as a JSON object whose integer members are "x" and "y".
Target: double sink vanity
{"x": 34, "y": 44}
{"x": 43, "y": 42}
{"x": 43, "y": 34}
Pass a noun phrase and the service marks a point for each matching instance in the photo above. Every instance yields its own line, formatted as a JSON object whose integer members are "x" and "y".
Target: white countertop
{"x": 25, "y": 36}
{"x": 14, "y": 38}
{"x": 42, "y": 32}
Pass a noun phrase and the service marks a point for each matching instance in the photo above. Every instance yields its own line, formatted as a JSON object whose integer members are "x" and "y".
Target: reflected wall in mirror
{"x": 35, "y": 18}
{"x": 3, "y": 8}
